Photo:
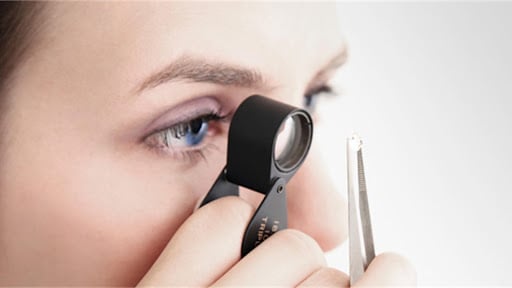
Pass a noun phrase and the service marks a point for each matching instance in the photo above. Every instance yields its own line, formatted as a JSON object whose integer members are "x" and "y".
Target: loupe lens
{"x": 292, "y": 142}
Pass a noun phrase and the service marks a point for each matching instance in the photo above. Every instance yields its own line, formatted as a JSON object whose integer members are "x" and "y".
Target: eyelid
{"x": 184, "y": 112}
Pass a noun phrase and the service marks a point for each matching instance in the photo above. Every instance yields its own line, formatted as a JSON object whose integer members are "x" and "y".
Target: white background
{"x": 428, "y": 87}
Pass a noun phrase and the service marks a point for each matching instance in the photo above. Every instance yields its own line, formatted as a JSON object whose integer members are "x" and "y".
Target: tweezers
{"x": 361, "y": 248}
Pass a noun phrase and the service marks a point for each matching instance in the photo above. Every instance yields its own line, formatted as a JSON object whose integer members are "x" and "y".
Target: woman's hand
{"x": 205, "y": 251}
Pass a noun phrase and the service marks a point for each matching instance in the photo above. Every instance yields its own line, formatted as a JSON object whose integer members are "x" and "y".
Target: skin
{"x": 86, "y": 201}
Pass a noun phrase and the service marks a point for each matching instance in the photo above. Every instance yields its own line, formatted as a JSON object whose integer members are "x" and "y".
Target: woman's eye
{"x": 183, "y": 137}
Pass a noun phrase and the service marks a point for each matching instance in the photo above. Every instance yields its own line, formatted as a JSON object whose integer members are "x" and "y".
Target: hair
{"x": 19, "y": 24}
{"x": 17, "y": 30}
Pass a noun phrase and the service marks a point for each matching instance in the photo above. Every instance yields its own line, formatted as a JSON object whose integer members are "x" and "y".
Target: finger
{"x": 206, "y": 245}
{"x": 311, "y": 192}
{"x": 284, "y": 259}
{"x": 388, "y": 269}
{"x": 326, "y": 277}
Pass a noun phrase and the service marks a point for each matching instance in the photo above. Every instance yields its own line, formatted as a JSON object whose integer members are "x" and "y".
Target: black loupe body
{"x": 267, "y": 143}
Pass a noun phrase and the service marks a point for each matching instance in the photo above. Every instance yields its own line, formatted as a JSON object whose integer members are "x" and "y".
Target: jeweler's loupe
{"x": 267, "y": 143}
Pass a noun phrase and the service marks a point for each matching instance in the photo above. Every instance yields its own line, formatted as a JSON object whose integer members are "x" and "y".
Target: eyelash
{"x": 161, "y": 141}
{"x": 310, "y": 98}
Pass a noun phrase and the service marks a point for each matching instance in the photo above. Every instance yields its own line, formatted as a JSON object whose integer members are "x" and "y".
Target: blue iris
{"x": 196, "y": 132}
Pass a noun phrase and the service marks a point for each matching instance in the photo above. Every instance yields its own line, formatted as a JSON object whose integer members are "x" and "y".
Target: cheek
{"x": 98, "y": 218}
{"x": 129, "y": 214}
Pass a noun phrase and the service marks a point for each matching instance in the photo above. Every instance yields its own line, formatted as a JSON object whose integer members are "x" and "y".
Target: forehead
{"x": 275, "y": 38}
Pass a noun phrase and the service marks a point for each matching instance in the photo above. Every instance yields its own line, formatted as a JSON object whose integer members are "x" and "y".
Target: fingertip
{"x": 302, "y": 244}
{"x": 389, "y": 269}
{"x": 402, "y": 266}
{"x": 229, "y": 208}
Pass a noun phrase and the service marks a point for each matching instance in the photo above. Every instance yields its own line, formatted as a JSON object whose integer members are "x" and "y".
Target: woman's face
{"x": 94, "y": 180}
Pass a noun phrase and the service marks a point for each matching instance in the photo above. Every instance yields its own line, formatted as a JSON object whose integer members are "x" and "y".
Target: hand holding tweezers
{"x": 361, "y": 249}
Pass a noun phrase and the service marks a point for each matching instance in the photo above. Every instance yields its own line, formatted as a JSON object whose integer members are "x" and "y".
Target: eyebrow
{"x": 199, "y": 70}
{"x": 332, "y": 65}
{"x": 187, "y": 68}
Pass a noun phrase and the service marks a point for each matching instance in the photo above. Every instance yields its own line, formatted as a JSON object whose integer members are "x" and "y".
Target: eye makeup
{"x": 185, "y": 136}
{"x": 186, "y": 111}
{"x": 184, "y": 131}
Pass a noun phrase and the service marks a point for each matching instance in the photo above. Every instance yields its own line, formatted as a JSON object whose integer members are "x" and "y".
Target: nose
{"x": 314, "y": 206}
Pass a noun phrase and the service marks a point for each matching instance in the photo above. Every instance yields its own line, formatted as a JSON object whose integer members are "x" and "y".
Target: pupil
{"x": 196, "y": 125}
{"x": 196, "y": 132}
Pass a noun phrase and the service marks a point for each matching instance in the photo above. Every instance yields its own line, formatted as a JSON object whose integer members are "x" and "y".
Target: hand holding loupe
{"x": 267, "y": 143}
